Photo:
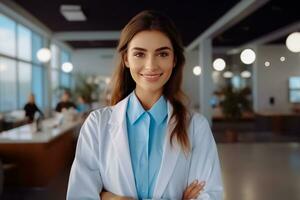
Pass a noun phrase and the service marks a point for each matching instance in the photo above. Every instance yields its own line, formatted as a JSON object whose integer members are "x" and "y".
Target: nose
{"x": 151, "y": 63}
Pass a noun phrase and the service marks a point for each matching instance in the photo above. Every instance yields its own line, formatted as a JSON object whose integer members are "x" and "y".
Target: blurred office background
{"x": 242, "y": 73}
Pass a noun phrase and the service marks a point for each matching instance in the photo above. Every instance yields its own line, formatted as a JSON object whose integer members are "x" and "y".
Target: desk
{"x": 278, "y": 122}
{"x": 39, "y": 156}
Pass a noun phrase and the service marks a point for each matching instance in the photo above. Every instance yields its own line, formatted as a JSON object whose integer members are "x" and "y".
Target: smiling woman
{"x": 150, "y": 59}
{"x": 146, "y": 145}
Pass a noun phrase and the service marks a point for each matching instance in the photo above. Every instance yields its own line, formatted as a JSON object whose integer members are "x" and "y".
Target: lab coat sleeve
{"x": 205, "y": 164}
{"x": 85, "y": 179}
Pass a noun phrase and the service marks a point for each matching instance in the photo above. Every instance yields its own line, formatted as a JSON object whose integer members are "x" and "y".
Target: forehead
{"x": 150, "y": 40}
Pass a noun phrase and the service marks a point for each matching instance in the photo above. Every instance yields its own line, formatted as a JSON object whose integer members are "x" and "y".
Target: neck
{"x": 147, "y": 98}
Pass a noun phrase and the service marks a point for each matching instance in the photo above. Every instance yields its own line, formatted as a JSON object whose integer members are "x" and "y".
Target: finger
{"x": 191, "y": 186}
{"x": 196, "y": 190}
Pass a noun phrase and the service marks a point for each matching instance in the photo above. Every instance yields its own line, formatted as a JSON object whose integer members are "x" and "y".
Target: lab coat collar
{"x": 118, "y": 130}
{"x": 169, "y": 158}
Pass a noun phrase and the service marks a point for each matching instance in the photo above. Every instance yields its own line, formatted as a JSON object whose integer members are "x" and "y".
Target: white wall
{"x": 190, "y": 81}
{"x": 94, "y": 61}
{"x": 273, "y": 81}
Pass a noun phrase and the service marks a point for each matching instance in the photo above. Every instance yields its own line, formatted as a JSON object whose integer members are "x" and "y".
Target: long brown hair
{"x": 123, "y": 84}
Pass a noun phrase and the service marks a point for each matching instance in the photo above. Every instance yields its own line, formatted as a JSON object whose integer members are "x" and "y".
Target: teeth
{"x": 154, "y": 75}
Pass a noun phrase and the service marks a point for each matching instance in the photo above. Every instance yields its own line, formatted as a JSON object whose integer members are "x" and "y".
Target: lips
{"x": 152, "y": 77}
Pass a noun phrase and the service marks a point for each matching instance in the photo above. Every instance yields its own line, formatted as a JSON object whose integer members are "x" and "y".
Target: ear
{"x": 125, "y": 59}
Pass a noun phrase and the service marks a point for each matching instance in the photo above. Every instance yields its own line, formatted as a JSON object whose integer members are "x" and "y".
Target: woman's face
{"x": 150, "y": 58}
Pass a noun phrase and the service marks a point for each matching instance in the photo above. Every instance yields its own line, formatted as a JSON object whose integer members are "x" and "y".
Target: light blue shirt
{"x": 146, "y": 134}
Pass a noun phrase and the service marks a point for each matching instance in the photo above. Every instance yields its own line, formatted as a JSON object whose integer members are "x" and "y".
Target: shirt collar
{"x": 135, "y": 110}
{"x": 159, "y": 110}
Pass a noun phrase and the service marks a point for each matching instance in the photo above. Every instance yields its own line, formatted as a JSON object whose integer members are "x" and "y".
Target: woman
{"x": 31, "y": 108}
{"x": 146, "y": 144}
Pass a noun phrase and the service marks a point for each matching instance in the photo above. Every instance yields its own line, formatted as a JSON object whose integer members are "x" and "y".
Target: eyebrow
{"x": 159, "y": 49}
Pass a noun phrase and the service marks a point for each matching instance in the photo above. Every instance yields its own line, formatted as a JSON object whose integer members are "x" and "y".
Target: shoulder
{"x": 100, "y": 114}
{"x": 198, "y": 120}
{"x": 95, "y": 122}
{"x": 199, "y": 128}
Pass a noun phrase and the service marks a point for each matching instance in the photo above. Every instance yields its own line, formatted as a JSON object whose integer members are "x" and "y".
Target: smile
{"x": 152, "y": 77}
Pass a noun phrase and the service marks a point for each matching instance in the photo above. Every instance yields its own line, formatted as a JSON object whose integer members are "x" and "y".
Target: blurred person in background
{"x": 82, "y": 105}
{"x": 65, "y": 102}
{"x": 31, "y": 108}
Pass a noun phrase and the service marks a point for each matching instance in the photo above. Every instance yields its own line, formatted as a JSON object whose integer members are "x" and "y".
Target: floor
{"x": 255, "y": 166}
{"x": 261, "y": 171}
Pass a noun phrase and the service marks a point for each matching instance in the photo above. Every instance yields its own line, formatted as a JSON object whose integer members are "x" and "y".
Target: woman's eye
{"x": 139, "y": 54}
{"x": 163, "y": 54}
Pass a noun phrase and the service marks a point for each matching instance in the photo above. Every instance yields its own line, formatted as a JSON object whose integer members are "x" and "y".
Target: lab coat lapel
{"x": 169, "y": 159}
{"x": 118, "y": 129}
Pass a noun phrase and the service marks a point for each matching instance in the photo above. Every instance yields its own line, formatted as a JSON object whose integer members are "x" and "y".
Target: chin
{"x": 152, "y": 89}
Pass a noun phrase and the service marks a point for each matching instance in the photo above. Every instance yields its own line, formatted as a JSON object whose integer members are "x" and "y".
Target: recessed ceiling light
{"x": 282, "y": 58}
{"x": 228, "y": 74}
{"x": 248, "y": 56}
{"x": 246, "y": 74}
{"x": 293, "y": 42}
{"x": 219, "y": 64}
{"x": 72, "y": 12}
{"x": 267, "y": 64}
{"x": 44, "y": 55}
{"x": 197, "y": 70}
{"x": 67, "y": 67}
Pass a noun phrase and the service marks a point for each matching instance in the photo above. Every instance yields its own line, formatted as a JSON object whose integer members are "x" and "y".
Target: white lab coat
{"x": 102, "y": 159}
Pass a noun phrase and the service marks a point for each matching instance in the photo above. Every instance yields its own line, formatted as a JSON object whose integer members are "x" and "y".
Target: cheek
{"x": 134, "y": 65}
{"x": 134, "y": 71}
{"x": 168, "y": 74}
{"x": 167, "y": 66}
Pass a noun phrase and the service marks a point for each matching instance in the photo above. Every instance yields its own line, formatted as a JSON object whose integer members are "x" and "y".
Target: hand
{"x": 193, "y": 190}
{"x": 111, "y": 196}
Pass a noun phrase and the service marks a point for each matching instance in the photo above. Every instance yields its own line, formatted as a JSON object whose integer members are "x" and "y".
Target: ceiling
{"x": 274, "y": 15}
{"x": 190, "y": 18}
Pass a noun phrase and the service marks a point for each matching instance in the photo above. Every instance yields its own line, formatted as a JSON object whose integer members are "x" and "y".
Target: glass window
{"x": 295, "y": 96}
{"x": 7, "y": 36}
{"x": 72, "y": 80}
{"x": 65, "y": 57}
{"x": 46, "y": 85}
{"x": 65, "y": 80}
{"x": 24, "y": 43}
{"x": 55, "y": 56}
{"x": 37, "y": 44}
{"x": 294, "y": 82}
{"x": 24, "y": 82}
{"x": 8, "y": 85}
{"x": 37, "y": 84}
{"x": 55, "y": 87}
{"x": 64, "y": 77}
